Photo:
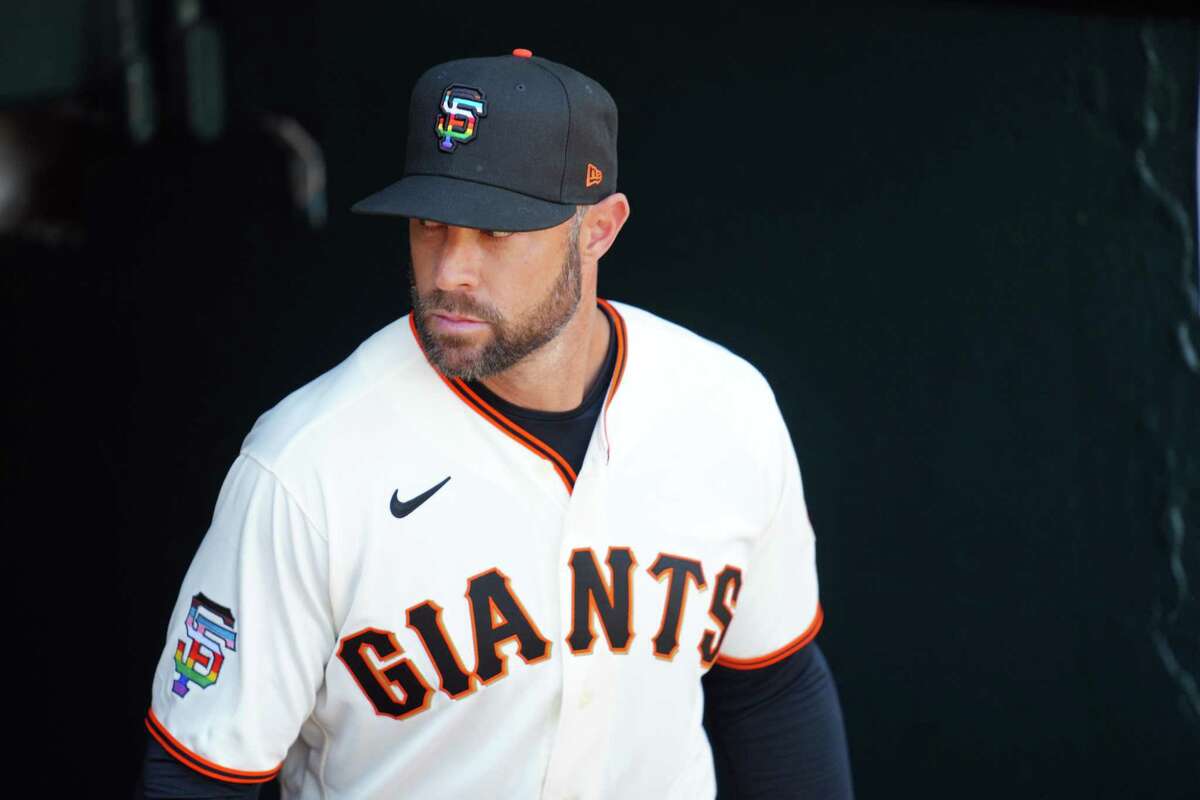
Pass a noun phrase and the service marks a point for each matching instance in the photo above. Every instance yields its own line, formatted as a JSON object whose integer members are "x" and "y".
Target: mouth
{"x": 454, "y": 323}
{"x": 455, "y": 317}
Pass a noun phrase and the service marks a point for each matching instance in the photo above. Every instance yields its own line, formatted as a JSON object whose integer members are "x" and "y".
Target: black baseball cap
{"x": 507, "y": 143}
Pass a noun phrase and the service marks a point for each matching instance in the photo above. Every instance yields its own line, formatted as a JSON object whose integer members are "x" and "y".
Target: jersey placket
{"x": 585, "y": 722}
{"x": 574, "y": 770}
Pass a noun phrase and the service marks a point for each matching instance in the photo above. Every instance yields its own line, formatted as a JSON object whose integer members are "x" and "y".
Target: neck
{"x": 557, "y": 376}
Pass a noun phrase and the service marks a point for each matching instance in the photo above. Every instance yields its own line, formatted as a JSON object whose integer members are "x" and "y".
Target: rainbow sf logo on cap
{"x": 458, "y": 122}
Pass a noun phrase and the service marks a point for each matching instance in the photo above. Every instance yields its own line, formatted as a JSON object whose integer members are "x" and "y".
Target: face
{"x": 522, "y": 288}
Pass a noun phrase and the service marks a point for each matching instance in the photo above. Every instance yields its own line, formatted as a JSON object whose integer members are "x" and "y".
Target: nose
{"x": 459, "y": 259}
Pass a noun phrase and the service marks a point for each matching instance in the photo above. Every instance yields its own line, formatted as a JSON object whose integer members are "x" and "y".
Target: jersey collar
{"x": 512, "y": 429}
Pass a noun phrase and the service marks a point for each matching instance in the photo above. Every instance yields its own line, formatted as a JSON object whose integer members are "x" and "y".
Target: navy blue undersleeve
{"x": 165, "y": 778}
{"x": 777, "y": 731}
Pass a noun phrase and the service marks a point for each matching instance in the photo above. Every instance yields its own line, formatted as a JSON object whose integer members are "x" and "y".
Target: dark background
{"x": 958, "y": 238}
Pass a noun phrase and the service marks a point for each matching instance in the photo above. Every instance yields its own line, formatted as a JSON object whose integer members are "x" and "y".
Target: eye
{"x": 433, "y": 225}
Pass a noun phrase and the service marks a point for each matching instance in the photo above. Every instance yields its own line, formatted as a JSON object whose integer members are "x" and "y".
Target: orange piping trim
{"x": 516, "y": 432}
{"x": 566, "y": 476}
{"x": 550, "y": 453}
{"x": 619, "y": 327}
{"x": 776, "y": 655}
{"x": 512, "y": 429}
{"x": 171, "y": 744}
{"x": 200, "y": 770}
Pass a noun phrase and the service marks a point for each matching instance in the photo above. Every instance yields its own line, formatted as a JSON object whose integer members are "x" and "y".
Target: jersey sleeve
{"x": 249, "y": 636}
{"x": 777, "y": 609}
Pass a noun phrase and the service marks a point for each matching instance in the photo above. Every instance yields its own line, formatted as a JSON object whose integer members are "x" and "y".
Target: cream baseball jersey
{"x": 404, "y": 594}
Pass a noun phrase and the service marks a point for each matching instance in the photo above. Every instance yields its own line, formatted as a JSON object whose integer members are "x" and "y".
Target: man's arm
{"x": 164, "y": 778}
{"x": 256, "y": 592}
{"x": 777, "y": 731}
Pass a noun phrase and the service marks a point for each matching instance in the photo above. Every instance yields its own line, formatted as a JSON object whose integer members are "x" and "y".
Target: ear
{"x": 600, "y": 226}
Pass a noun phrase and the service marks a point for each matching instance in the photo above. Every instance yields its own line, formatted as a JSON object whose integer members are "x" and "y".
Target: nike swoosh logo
{"x": 401, "y": 509}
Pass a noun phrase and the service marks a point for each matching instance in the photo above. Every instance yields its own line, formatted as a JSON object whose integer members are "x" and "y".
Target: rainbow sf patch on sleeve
{"x": 209, "y": 631}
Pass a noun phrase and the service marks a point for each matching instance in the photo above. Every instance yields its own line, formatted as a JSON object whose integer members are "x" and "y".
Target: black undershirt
{"x": 775, "y": 731}
{"x": 568, "y": 432}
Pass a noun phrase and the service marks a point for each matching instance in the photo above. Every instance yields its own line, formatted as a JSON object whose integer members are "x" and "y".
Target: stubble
{"x": 511, "y": 340}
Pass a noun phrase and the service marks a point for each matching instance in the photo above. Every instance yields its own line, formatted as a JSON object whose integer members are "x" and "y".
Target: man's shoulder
{"x": 668, "y": 353}
{"x": 350, "y": 394}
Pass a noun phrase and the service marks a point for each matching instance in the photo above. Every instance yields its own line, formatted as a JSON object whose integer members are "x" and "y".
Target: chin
{"x": 463, "y": 344}
{"x": 458, "y": 359}
{"x": 457, "y": 354}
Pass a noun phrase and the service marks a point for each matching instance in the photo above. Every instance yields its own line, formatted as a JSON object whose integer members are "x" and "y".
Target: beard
{"x": 456, "y": 356}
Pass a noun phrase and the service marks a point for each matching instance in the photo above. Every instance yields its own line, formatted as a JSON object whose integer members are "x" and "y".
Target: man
{"x": 524, "y": 541}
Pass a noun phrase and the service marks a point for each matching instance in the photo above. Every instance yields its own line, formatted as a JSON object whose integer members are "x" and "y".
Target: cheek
{"x": 520, "y": 294}
{"x": 534, "y": 277}
{"x": 420, "y": 275}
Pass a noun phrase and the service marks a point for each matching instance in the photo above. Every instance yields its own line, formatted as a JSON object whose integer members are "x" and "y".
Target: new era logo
{"x": 594, "y": 175}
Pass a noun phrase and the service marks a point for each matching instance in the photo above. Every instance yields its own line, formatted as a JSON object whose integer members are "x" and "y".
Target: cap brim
{"x": 453, "y": 201}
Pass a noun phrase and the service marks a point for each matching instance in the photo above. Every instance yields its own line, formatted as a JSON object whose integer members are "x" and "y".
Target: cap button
{"x": 522, "y": 52}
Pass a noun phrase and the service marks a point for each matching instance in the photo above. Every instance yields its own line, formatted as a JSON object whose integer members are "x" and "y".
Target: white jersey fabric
{"x": 521, "y": 631}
